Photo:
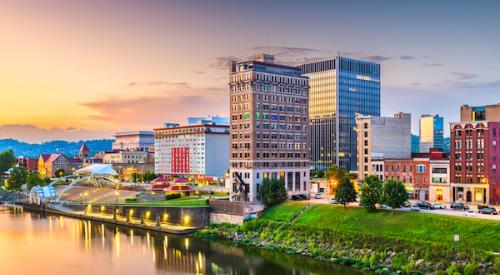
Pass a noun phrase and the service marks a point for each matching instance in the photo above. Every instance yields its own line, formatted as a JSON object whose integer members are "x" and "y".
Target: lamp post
{"x": 85, "y": 195}
{"x": 116, "y": 204}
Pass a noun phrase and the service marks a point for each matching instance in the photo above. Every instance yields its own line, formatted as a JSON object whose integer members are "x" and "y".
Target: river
{"x": 34, "y": 243}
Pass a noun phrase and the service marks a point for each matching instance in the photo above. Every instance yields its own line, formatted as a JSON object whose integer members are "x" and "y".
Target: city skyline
{"x": 128, "y": 65}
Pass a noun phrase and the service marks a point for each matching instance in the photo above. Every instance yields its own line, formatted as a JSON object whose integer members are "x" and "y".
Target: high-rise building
{"x": 338, "y": 89}
{"x": 475, "y": 155}
{"x": 192, "y": 150}
{"x": 269, "y": 127}
{"x": 431, "y": 133}
{"x": 380, "y": 138}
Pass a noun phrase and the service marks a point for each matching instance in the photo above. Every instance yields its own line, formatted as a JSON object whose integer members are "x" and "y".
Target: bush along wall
{"x": 360, "y": 250}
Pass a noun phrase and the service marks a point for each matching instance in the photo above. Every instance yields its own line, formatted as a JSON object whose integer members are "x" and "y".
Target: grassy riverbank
{"x": 383, "y": 241}
{"x": 410, "y": 226}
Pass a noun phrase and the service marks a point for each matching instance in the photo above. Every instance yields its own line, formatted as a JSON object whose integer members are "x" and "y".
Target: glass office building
{"x": 431, "y": 132}
{"x": 338, "y": 89}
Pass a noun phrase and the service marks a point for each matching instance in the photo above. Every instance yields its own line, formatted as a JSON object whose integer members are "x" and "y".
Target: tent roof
{"x": 97, "y": 169}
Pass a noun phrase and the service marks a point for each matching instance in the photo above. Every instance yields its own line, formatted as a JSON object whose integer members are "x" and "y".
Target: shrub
{"x": 129, "y": 200}
{"x": 172, "y": 196}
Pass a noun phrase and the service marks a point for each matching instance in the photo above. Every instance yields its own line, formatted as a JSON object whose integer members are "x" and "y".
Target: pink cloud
{"x": 152, "y": 107}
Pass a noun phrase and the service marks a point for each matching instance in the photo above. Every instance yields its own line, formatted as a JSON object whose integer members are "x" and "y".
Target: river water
{"x": 33, "y": 243}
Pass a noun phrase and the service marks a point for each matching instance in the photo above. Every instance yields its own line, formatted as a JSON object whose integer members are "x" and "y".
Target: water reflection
{"x": 56, "y": 244}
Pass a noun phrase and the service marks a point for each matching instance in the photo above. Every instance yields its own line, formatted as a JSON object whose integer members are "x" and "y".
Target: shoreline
{"x": 47, "y": 210}
{"x": 361, "y": 251}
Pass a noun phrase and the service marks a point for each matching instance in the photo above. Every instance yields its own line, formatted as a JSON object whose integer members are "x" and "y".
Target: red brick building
{"x": 474, "y": 162}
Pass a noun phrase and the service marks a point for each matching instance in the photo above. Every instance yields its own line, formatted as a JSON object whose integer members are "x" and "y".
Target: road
{"x": 446, "y": 211}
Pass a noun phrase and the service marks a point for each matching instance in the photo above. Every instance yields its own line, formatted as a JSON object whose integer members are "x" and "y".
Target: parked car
{"x": 407, "y": 204}
{"x": 318, "y": 196}
{"x": 296, "y": 198}
{"x": 334, "y": 201}
{"x": 303, "y": 197}
{"x": 424, "y": 205}
{"x": 438, "y": 205}
{"x": 488, "y": 210}
{"x": 459, "y": 206}
{"x": 481, "y": 206}
{"x": 414, "y": 207}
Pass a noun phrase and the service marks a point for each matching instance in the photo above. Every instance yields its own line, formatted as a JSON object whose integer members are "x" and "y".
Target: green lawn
{"x": 184, "y": 201}
{"x": 283, "y": 212}
{"x": 474, "y": 233}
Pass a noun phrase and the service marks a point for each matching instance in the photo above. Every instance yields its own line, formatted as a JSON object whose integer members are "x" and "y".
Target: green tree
{"x": 7, "y": 160}
{"x": 345, "y": 192}
{"x": 17, "y": 178}
{"x": 149, "y": 176}
{"x": 371, "y": 192}
{"x": 333, "y": 176}
{"x": 134, "y": 177}
{"x": 273, "y": 192}
{"x": 60, "y": 173}
{"x": 394, "y": 194}
{"x": 34, "y": 179}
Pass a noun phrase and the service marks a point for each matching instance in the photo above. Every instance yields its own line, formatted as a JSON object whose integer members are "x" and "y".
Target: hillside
{"x": 33, "y": 150}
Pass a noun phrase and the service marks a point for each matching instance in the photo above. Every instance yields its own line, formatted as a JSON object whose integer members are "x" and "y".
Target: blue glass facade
{"x": 339, "y": 88}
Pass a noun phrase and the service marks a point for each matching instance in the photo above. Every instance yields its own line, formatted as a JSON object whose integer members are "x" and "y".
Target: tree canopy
{"x": 345, "y": 192}
{"x": 371, "y": 192}
{"x": 272, "y": 192}
{"x": 394, "y": 194}
{"x": 17, "y": 178}
{"x": 7, "y": 160}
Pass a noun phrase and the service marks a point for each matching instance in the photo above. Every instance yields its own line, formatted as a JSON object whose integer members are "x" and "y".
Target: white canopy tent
{"x": 97, "y": 170}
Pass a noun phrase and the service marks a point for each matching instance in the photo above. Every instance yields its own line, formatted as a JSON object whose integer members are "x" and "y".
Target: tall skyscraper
{"x": 269, "y": 127}
{"x": 431, "y": 132}
{"x": 339, "y": 88}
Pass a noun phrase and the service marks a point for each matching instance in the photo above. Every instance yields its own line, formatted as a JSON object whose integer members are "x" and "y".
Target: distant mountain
{"x": 34, "y": 134}
{"x": 65, "y": 147}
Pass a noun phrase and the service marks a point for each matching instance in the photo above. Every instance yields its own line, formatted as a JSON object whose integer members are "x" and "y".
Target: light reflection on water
{"x": 32, "y": 243}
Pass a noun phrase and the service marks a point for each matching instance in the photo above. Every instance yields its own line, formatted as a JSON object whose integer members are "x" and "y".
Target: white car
{"x": 414, "y": 207}
{"x": 334, "y": 201}
{"x": 438, "y": 206}
{"x": 470, "y": 213}
{"x": 318, "y": 196}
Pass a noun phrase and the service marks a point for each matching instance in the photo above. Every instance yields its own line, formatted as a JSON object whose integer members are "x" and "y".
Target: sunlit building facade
{"x": 338, "y": 89}
{"x": 192, "y": 150}
{"x": 431, "y": 133}
{"x": 269, "y": 127}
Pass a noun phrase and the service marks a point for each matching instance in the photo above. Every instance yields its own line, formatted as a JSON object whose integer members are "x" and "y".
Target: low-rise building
{"x": 381, "y": 138}
{"x": 133, "y": 141}
{"x": 48, "y": 164}
{"x": 192, "y": 150}
{"x": 31, "y": 164}
{"x": 126, "y": 163}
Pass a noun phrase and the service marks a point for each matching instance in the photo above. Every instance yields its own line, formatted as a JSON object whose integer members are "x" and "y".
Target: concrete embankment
{"x": 141, "y": 223}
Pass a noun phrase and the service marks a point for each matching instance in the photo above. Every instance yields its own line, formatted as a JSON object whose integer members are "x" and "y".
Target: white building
{"x": 115, "y": 157}
{"x": 380, "y": 138}
{"x": 439, "y": 189}
{"x": 192, "y": 150}
{"x": 133, "y": 141}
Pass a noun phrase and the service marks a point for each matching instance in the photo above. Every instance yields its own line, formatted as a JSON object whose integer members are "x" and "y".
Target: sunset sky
{"x": 103, "y": 66}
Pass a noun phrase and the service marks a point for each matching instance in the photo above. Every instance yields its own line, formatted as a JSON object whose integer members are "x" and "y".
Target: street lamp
{"x": 85, "y": 195}
{"x": 116, "y": 204}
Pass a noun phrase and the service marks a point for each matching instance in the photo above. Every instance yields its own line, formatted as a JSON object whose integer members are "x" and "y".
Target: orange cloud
{"x": 154, "y": 106}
